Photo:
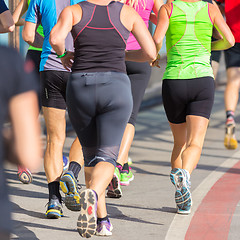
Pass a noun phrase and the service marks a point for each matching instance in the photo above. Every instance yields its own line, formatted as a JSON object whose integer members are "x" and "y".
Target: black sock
{"x": 75, "y": 168}
{"x": 102, "y": 219}
{"x": 54, "y": 193}
{"x": 230, "y": 114}
{"x": 126, "y": 167}
{"x": 118, "y": 165}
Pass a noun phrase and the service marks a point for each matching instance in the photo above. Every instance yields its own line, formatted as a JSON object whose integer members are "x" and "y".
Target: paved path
{"x": 147, "y": 208}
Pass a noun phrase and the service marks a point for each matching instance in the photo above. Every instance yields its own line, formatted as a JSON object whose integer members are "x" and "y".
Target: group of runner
{"x": 91, "y": 66}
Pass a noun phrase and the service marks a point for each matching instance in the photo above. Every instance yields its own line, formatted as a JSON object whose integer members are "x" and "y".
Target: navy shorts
{"x": 182, "y": 97}
{"x": 53, "y": 88}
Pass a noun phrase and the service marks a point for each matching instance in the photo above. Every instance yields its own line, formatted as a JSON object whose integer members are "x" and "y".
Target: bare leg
{"x": 196, "y": 131}
{"x": 55, "y": 124}
{"x": 98, "y": 178}
{"x": 179, "y": 132}
{"x": 76, "y": 153}
{"x": 231, "y": 94}
{"x": 126, "y": 144}
{"x": 215, "y": 66}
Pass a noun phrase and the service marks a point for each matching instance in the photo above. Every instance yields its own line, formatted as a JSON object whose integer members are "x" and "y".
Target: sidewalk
{"x": 147, "y": 208}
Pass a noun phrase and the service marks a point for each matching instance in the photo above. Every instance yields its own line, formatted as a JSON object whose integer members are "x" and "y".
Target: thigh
{"x": 233, "y": 76}
{"x": 139, "y": 75}
{"x": 174, "y": 94}
{"x": 114, "y": 109}
{"x": 196, "y": 130}
{"x": 81, "y": 104}
{"x": 53, "y": 88}
{"x": 55, "y": 121}
{"x": 201, "y": 96}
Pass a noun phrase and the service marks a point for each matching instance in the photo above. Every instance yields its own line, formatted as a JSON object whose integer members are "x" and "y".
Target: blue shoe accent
{"x": 183, "y": 196}
{"x": 54, "y": 209}
{"x": 69, "y": 186}
{"x": 65, "y": 163}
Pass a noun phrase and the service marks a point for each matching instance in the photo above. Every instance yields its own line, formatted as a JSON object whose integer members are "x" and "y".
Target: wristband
{"x": 61, "y": 56}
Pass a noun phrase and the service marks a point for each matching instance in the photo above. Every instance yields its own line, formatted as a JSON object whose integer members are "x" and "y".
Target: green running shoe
{"x": 126, "y": 177}
{"x": 114, "y": 188}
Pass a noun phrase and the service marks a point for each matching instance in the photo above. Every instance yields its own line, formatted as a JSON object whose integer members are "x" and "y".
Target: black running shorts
{"x": 232, "y": 56}
{"x": 53, "y": 88}
{"x": 182, "y": 97}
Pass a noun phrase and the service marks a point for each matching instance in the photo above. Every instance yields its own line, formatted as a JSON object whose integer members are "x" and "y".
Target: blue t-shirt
{"x": 47, "y": 12}
{"x": 3, "y": 6}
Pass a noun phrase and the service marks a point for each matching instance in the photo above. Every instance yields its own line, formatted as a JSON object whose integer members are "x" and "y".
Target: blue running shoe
{"x": 69, "y": 186}
{"x": 87, "y": 220}
{"x": 65, "y": 163}
{"x": 183, "y": 196}
{"x": 54, "y": 209}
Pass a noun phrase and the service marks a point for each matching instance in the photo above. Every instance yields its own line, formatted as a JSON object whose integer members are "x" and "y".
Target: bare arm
{"x": 68, "y": 17}
{"x": 227, "y": 40}
{"x": 61, "y": 30}
{"x": 156, "y": 7}
{"x": 23, "y": 110}
{"x": 161, "y": 28}
{"x": 19, "y": 11}
{"x": 31, "y": 36}
{"x": 134, "y": 23}
{"x": 6, "y": 22}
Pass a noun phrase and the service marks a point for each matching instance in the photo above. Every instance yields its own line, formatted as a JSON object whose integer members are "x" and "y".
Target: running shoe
{"x": 183, "y": 196}
{"x": 129, "y": 161}
{"x": 54, "y": 209}
{"x": 69, "y": 186}
{"x": 104, "y": 228}
{"x": 126, "y": 177}
{"x": 65, "y": 163}
{"x": 24, "y": 175}
{"x": 114, "y": 188}
{"x": 230, "y": 141}
{"x": 87, "y": 220}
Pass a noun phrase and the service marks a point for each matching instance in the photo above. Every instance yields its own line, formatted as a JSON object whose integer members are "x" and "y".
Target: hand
{"x": 156, "y": 62}
{"x": 67, "y": 60}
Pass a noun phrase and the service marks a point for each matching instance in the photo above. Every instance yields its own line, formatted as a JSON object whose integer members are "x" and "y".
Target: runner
{"x": 139, "y": 74}
{"x": 99, "y": 93}
{"x": 188, "y": 85}
{"x": 34, "y": 55}
{"x": 54, "y": 78}
{"x": 232, "y": 60}
{"x": 6, "y": 21}
{"x": 18, "y": 96}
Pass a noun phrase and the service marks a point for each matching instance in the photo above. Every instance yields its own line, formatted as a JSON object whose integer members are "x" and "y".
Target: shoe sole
{"x": 72, "y": 198}
{"x": 114, "y": 190}
{"x": 104, "y": 232}
{"x": 54, "y": 214}
{"x": 87, "y": 220}
{"x": 183, "y": 197}
{"x": 128, "y": 182}
{"x": 230, "y": 141}
{"x": 25, "y": 177}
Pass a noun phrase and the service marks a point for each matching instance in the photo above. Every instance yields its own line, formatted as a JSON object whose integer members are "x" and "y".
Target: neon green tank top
{"x": 188, "y": 41}
{"x": 40, "y": 31}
